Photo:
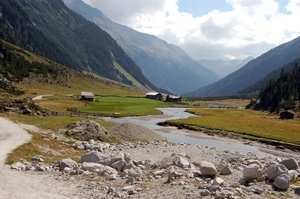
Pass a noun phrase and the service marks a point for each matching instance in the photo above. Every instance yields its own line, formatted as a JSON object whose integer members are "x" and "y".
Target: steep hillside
{"x": 271, "y": 77}
{"x": 17, "y": 28}
{"x": 224, "y": 67}
{"x": 41, "y": 25}
{"x": 25, "y": 73}
{"x": 253, "y": 71}
{"x": 165, "y": 65}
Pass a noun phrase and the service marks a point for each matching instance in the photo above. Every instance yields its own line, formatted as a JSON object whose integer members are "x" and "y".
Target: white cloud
{"x": 251, "y": 28}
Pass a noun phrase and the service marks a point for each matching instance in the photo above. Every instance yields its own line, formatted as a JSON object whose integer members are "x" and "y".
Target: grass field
{"x": 248, "y": 122}
{"x": 116, "y": 106}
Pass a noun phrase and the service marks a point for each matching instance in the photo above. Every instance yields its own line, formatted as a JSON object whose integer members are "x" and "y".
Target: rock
{"x": 252, "y": 172}
{"x": 95, "y": 157}
{"x": 119, "y": 165}
{"x": 181, "y": 162}
{"x": 18, "y": 166}
{"x": 129, "y": 189}
{"x": 226, "y": 170}
{"x": 223, "y": 194}
{"x": 215, "y": 188}
{"x": 218, "y": 181}
{"x": 135, "y": 172}
{"x": 111, "y": 177}
{"x": 293, "y": 175}
{"x": 161, "y": 172}
{"x": 99, "y": 168}
{"x": 207, "y": 169}
{"x": 204, "y": 192}
{"x": 38, "y": 159}
{"x": 276, "y": 170}
{"x": 282, "y": 182}
{"x": 65, "y": 163}
{"x": 117, "y": 157}
{"x": 290, "y": 164}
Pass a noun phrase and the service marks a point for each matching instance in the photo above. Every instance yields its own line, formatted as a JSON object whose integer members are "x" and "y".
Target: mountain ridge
{"x": 165, "y": 65}
{"x": 77, "y": 42}
{"x": 253, "y": 71}
{"x": 224, "y": 67}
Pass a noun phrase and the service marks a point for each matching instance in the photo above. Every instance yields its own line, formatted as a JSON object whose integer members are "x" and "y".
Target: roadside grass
{"x": 51, "y": 150}
{"x": 42, "y": 144}
{"x": 53, "y": 122}
{"x": 246, "y": 122}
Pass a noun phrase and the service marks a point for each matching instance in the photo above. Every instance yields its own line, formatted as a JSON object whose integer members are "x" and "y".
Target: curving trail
{"x": 17, "y": 184}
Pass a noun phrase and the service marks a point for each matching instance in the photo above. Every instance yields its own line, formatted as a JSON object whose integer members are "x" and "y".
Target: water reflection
{"x": 174, "y": 135}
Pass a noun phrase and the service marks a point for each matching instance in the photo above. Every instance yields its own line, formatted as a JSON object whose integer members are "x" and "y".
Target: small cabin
{"x": 154, "y": 95}
{"x": 287, "y": 115}
{"x": 88, "y": 96}
{"x": 173, "y": 98}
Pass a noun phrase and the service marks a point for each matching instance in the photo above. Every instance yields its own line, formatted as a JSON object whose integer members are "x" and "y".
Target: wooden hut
{"x": 287, "y": 114}
{"x": 154, "y": 95}
{"x": 88, "y": 96}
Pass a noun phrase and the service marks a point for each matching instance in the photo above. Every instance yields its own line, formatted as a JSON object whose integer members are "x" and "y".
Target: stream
{"x": 180, "y": 135}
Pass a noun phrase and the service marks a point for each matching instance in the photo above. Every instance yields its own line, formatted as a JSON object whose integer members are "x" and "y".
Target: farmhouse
{"x": 88, "y": 96}
{"x": 173, "y": 98}
{"x": 154, "y": 95}
{"x": 287, "y": 114}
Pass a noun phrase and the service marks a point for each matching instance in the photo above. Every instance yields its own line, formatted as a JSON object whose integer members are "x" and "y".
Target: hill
{"x": 50, "y": 29}
{"x": 165, "y": 65}
{"x": 271, "y": 77}
{"x": 252, "y": 72}
{"x": 25, "y": 73}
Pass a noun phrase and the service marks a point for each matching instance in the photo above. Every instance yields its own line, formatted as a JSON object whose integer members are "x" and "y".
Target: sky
{"x": 210, "y": 29}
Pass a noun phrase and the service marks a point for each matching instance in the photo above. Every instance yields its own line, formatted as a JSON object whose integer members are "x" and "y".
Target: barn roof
{"x": 87, "y": 94}
{"x": 153, "y": 93}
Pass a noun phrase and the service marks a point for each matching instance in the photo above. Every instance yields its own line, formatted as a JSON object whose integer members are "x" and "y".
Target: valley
{"x": 75, "y": 115}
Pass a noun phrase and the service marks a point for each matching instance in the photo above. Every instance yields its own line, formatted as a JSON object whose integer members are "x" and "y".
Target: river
{"x": 181, "y": 135}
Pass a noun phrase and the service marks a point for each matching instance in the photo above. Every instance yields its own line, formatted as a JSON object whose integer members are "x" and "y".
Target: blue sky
{"x": 199, "y": 8}
{"x": 210, "y": 29}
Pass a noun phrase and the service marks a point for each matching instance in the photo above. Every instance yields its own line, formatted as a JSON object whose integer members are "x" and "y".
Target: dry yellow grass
{"x": 249, "y": 122}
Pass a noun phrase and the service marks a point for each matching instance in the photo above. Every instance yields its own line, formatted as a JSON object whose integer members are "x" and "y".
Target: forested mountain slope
{"x": 282, "y": 93}
{"x": 51, "y": 29}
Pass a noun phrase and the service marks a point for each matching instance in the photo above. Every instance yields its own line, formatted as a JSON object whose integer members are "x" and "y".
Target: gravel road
{"x": 18, "y": 185}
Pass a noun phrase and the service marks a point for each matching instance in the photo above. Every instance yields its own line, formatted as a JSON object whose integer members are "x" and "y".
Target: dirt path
{"x": 16, "y": 184}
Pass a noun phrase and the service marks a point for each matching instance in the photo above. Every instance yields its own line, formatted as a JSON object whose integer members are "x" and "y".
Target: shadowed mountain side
{"x": 253, "y": 71}
{"x": 165, "y": 65}
{"x": 83, "y": 44}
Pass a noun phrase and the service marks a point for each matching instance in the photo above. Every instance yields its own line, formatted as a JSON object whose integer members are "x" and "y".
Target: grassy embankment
{"x": 242, "y": 122}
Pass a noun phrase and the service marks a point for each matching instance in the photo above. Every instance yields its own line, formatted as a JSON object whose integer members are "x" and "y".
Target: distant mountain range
{"x": 165, "y": 65}
{"x": 224, "y": 67}
{"x": 253, "y": 71}
{"x": 51, "y": 29}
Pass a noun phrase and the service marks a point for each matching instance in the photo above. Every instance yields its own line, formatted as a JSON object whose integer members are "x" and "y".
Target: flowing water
{"x": 175, "y": 135}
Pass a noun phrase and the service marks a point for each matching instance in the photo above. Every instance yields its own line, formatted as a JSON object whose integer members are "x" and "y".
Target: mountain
{"x": 224, "y": 67}
{"x": 271, "y": 77}
{"x": 253, "y": 71}
{"x": 51, "y": 29}
{"x": 165, "y": 65}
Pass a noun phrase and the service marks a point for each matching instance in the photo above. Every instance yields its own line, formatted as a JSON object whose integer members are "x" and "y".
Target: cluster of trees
{"x": 14, "y": 67}
{"x": 283, "y": 92}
